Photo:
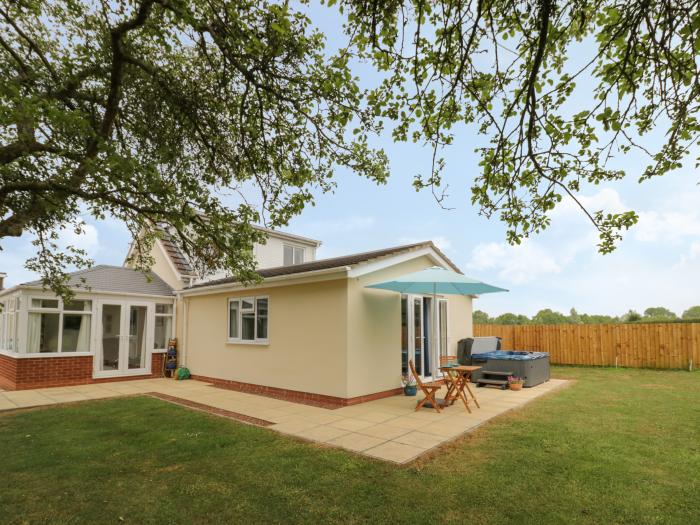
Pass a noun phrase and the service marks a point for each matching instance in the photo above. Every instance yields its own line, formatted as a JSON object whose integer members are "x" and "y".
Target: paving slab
{"x": 388, "y": 429}
{"x": 394, "y": 452}
{"x": 356, "y": 442}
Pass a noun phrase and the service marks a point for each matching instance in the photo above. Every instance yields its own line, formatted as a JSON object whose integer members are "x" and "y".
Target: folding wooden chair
{"x": 428, "y": 389}
{"x": 447, "y": 359}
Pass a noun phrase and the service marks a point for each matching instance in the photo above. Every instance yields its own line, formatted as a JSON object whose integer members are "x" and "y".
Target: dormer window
{"x": 293, "y": 254}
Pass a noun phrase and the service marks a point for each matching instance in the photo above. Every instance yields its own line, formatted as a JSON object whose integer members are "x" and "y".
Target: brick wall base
{"x": 43, "y": 372}
{"x": 296, "y": 396}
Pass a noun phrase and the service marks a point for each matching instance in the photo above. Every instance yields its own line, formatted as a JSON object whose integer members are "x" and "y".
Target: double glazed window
{"x": 9, "y": 312}
{"x": 54, "y": 326}
{"x": 293, "y": 254}
{"x": 248, "y": 319}
{"x": 164, "y": 326}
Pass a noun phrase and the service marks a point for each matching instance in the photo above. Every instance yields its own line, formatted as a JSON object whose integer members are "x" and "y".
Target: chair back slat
{"x": 415, "y": 375}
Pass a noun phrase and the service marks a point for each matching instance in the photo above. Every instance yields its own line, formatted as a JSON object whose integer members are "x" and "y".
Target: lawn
{"x": 618, "y": 446}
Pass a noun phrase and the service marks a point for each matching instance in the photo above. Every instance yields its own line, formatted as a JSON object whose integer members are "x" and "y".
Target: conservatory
{"x": 116, "y": 325}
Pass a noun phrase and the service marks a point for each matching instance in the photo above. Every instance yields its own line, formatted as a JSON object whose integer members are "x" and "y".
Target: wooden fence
{"x": 644, "y": 345}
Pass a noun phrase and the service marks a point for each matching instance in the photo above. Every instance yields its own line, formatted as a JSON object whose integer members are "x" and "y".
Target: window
{"x": 248, "y": 319}
{"x": 54, "y": 326}
{"x": 293, "y": 254}
{"x": 9, "y": 312}
{"x": 164, "y": 326}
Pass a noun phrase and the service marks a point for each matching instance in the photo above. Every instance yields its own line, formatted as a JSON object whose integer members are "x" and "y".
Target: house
{"x": 310, "y": 330}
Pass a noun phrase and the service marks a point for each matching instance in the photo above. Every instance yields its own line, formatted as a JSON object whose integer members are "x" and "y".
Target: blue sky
{"x": 657, "y": 263}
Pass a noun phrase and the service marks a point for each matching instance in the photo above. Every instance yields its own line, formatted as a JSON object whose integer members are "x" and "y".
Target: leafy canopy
{"x": 202, "y": 117}
{"x": 511, "y": 70}
{"x": 206, "y": 115}
{"x": 658, "y": 314}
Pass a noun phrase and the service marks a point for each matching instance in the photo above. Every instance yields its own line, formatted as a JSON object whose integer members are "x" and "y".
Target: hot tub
{"x": 532, "y": 367}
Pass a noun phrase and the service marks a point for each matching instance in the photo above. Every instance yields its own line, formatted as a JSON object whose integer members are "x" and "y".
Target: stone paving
{"x": 388, "y": 429}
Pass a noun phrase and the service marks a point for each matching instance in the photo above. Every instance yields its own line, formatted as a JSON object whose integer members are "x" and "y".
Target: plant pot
{"x": 410, "y": 390}
{"x": 515, "y": 386}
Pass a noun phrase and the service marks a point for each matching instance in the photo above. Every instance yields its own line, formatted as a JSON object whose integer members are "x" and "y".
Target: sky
{"x": 656, "y": 264}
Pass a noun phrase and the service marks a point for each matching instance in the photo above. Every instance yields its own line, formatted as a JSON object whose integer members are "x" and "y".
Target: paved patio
{"x": 387, "y": 429}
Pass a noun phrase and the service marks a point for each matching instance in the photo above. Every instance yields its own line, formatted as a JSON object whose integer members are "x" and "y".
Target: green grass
{"x": 619, "y": 446}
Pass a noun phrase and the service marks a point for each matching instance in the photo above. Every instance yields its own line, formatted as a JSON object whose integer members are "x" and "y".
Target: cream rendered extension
{"x": 328, "y": 334}
{"x": 374, "y": 329}
{"x": 307, "y": 339}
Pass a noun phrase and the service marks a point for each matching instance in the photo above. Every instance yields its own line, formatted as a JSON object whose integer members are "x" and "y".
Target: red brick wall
{"x": 296, "y": 396}
{"x": 8, "y": 372}
{"x": 42, "y": 372}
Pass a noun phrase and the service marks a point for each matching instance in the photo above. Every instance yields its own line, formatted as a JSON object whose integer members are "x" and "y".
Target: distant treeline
{"x": 657, "y": 314}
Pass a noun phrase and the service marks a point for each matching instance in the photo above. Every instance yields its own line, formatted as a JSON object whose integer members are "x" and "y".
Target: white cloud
{"x": 607, "y": 199}
{"x": 519, "y": 264}
{"x": 16, "y": 251}
{"x": 87, "y": 240}
{"x": 691, "y": 258}
{"x": 667, "y": 225}
{"x": 674, "y": 219}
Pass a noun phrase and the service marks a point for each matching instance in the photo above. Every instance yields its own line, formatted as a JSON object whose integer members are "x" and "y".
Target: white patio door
{"x": 415, "y": 340}
{"x": 123, "y": 338}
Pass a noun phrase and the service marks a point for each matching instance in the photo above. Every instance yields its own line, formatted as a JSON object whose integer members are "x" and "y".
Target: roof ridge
{"x": 381, "y": 251}
{"x": 331, "y": 263}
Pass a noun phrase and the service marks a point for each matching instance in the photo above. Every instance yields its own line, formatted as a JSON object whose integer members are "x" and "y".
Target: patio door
{"x": 415, "y": 340}
{"x": 124, "y": 332}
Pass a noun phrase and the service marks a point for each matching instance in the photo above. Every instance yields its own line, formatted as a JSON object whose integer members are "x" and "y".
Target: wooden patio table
{"x": 458, "y": 381}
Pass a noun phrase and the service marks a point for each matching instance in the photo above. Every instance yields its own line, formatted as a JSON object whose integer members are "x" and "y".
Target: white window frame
{"x": 172, "y": 323}
{"x": 60, "y": 310}
{"x": 238, "y": 340}
{"x": 440, "y": 302}
{"x": 296, "y": 249}
{"x": 9, "y": 313}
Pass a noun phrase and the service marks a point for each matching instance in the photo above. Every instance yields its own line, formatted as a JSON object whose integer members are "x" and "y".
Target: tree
{"x": 509, "y": 318}
{"x": 203, "y": 116}
{"x": 481, "y": 317}
{"x": 558, "y": 89}
{"x": 548, "y": 316}
{"x": 574, "y": 317}
{"x": 692, "y": 313}
{"x": 631, "y": 317}
{"x": 659, "y": 312}
{"x": 598, "y": 319}
{"x": 151, "y": 110}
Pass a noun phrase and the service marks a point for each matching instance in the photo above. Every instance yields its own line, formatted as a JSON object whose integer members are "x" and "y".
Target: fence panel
{"x": 644, "y": 345}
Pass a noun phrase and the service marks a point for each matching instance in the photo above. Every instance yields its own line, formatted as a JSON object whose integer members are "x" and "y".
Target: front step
{"x": 494, "y": 379}
{"x": 502, "y": 383}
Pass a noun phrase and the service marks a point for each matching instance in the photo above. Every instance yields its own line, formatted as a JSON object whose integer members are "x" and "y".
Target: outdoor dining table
{"x": 458, "y": 384}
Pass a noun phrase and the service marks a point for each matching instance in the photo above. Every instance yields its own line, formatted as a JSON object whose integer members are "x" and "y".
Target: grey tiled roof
{"x": 103, "y": 278}
{"x": 335, "y": 262}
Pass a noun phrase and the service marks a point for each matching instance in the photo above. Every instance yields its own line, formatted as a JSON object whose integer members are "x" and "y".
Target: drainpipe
{"x": 184, "y": 330}
{"x": 435, "y": 349}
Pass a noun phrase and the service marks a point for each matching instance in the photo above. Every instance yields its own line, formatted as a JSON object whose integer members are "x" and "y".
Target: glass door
{"x": 418, "y": 335}
{"x": 124, "y": 333}
{"x": 110, "y": 340}
{"x": 136, "y": 351}
{"x": 413, "y": 335}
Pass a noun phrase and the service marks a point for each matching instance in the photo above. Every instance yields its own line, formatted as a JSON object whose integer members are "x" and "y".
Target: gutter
{"x": 235, "y": 286}
{"x": 84, "y": 291}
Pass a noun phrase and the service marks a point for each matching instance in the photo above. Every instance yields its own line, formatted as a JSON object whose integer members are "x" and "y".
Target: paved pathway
{"x": 387, "y": 429}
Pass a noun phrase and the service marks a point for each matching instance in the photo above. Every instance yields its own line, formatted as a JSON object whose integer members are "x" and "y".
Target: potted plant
{"x": 409, "y": 385}
{"x": 515, "y": 382}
